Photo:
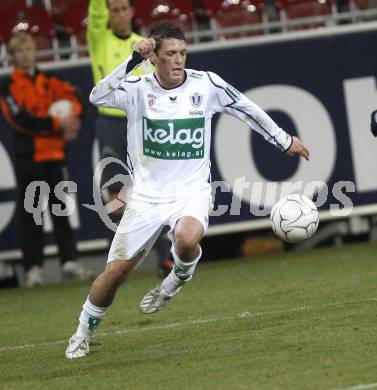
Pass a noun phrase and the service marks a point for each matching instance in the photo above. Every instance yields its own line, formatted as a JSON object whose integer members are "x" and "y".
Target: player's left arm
{"x": 235, "y": 103}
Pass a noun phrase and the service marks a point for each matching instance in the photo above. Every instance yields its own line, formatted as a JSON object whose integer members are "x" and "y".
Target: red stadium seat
{"x": 75, "y": 25}
{"x": 34, "y": 20}
{"x": 14, "y": 4}
{"x": 71, "y": 17}
{"x": 233, "y": 13}
{"x": 294, "y": 9}
{"x": 179, "y": 12}
{"x": 361, "y": 4}
{"x": 63, "y": 9}
{"x": 6, "y": 15}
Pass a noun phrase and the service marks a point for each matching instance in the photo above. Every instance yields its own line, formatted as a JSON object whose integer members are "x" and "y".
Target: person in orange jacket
{"x": 40, "y": 137}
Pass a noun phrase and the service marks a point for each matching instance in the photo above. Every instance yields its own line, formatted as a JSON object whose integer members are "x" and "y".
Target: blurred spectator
{"x": 110, "y": 41}
{"x": 342, "y": 5}
{"x": 27, "y": 96}
{"x": 272, "y": 13}
{"x": 202, "y": 19}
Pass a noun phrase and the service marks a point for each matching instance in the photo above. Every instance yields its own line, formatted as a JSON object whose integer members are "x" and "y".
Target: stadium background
{"x": 296, "y": 320}
{"x": 333, "y": 67}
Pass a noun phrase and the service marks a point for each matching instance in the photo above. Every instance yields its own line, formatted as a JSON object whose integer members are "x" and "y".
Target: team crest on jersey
{"x": 196, "y": 99}
{"x": 152, "y": 101}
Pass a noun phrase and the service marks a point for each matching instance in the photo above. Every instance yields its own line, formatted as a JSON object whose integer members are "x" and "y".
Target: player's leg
{"x": 102, "y": 291}
{"x": 186, "y": 254}
{"x": 101, "y": 296}
{"x": 186, "y": 249}
{"x": 136, "y": 234}
{"x": 188, "y": 223}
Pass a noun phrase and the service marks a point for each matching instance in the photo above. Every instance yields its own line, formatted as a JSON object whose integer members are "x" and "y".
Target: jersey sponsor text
{"x": 173, "y": 139}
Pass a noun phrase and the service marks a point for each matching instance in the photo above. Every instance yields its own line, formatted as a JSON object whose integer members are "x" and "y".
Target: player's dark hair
{"x": 165, "y": 30}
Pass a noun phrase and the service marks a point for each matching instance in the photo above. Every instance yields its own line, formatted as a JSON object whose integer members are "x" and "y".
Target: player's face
{"x": 171, "y": 61}
{"x": 24, "y": 57}
{"x": 120, "y": 16}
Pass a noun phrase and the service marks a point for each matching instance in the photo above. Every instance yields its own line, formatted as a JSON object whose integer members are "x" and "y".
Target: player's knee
{"x": 184, "y": 243}
{"x": 118, "y": 273}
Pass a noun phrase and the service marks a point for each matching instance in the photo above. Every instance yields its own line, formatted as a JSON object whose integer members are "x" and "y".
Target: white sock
{"x": 181, "y": 273}
{"x": 183, "y": 269}
{"x": 90, "y": 318}
{"x": 172, "y": 284}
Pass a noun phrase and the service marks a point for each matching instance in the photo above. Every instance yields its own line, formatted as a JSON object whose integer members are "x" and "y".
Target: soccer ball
{"x": 61, "y": 108}
{"x": 294, "y": 218}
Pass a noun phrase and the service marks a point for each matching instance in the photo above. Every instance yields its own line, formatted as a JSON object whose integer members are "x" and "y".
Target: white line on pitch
{"x": 245, "y": 314}
{"x": 360, "y": 387}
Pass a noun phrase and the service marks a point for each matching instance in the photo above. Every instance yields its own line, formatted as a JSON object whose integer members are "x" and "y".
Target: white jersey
{"x": 169, "y": 130}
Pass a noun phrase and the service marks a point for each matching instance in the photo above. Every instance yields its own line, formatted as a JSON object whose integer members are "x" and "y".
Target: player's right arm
{"x": 114, "y": 90}
{"x": 98, "y": 15}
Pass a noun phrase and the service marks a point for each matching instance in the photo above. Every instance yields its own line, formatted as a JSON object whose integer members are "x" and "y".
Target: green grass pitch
{"x": 294, "y": 321}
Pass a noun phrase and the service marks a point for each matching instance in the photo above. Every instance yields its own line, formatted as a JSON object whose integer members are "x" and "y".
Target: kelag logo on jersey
{"x": 174, "y": 139}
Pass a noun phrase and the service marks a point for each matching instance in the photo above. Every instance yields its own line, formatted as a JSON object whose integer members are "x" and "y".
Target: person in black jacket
{"x": 40, "y": 137}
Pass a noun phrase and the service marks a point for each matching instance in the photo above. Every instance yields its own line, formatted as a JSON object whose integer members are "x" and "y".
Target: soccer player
{"x": 169, "y": 128}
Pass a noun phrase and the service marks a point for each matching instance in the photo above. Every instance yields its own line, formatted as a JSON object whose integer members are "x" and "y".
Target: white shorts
{"x": 142, "y": 223}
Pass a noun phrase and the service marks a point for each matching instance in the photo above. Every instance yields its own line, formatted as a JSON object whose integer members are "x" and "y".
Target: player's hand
{"x": 145, "y": 47}
{"x": 71, "y": 126}
{"x": 298, "y": 149}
